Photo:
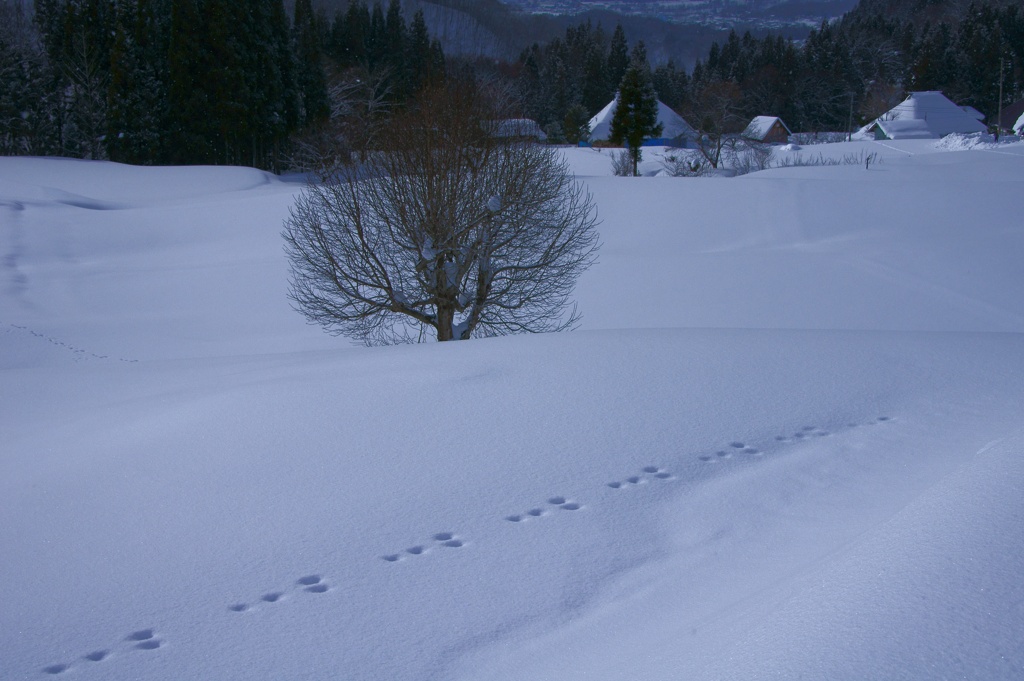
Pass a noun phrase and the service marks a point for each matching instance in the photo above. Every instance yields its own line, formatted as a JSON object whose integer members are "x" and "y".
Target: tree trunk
{"x": 445, "y": 322}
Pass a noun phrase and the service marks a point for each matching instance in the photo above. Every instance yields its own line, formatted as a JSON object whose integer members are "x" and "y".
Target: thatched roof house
{"x": 923, "y": 115}
{"x": 674, "y": 129}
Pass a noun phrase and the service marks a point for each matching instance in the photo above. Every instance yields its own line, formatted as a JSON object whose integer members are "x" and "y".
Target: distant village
{"x": 214, "y": 82}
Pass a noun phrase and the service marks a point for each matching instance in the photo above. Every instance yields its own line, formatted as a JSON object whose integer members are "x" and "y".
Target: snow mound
{"x": 959, "y": 141}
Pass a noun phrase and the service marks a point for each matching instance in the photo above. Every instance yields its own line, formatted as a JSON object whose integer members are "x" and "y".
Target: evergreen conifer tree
{"x": 190, "y": 98}
{"x": 618, "y": 59}
{"x": 671, "y": 84}
{"x": 596, "y": 87}
{"x": 310, "y": 80}
{"x": 636, "y": 111}
{"x": 377, "y": 38}
{"x": 17, "y": 82}
{"x": 577, "y": 124}
{"x": 395, "y": 47}
{"x": 350, "y": 34}
{"x": 419, "y": 58}
{"x": 270, "y": 71}
{"x": 437, "y": 61}
{"x": 138, "y": 86}
{"x": 80, "y": 54}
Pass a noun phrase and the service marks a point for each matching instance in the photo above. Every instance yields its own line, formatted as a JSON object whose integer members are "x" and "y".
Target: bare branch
{"x": 444, "y": 226}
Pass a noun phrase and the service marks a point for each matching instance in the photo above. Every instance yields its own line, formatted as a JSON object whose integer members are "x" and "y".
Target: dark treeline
{"x": 844, "y": 73}
{"x": 228, "y": 82}
{"x": 196, "y": 81}
{"x": 568, "y": 80}
{"x": 854, "y": 70}
{"x": 404, "y": 56}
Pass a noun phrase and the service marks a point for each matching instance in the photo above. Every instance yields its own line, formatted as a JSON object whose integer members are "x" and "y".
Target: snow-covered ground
{"x": 786, "y": 443}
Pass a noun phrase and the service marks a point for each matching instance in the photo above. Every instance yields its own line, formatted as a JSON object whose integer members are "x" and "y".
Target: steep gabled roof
{"x": 672, "y": 124}
{"x": 926, "y": 115}
{"x": 973, "y": 113}
{"x": 1011, "y": 113}
{"x": 760, "y": 126}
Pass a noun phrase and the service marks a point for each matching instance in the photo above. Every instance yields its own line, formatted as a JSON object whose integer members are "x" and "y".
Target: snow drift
{"x": 786, "y": 442}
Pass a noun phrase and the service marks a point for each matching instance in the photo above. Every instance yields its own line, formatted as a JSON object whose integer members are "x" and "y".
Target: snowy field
{"x": 786, "y": 443}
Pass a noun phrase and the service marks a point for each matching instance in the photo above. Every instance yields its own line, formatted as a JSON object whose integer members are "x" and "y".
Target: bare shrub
{"x": 863, "y": 158}
{"x": 444, "y": 229}
{"x": 359, "y": 107}
{"x": 622, "y": 163}
{"x": 684, "y": 165}
{"x": 749, "y": 156}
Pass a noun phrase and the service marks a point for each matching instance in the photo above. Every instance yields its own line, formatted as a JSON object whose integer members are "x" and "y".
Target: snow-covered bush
{"x": 681, "y": 164}
{"x": 622, "y": 163}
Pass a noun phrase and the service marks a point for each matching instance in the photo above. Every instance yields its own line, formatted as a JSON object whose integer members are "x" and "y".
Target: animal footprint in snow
{"x": 564, "y": 504}
{"x": 808, "y": 432}
{"x": 727, "y": 453}
{"x": 559, "y": 502}
{"x": 143, "y": 639}
{"x": 532, "y": 513}
{"x": 659, "y": 473}
{"x": 313, "y": 584}
{"x": 631, "y": 480}
{"x": 805, "y": 433}
{"x": 449, "y": 540}
{"x": 654, "y": 471}
{"x": 446, "y": 540}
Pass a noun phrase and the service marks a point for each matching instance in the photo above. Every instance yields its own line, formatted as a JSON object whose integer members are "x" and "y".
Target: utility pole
{"x": 849, "y": 123}
{"x": 999, "y": 116}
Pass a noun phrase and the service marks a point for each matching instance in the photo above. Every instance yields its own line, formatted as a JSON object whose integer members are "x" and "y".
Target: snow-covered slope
{"x": 785, "y": 443}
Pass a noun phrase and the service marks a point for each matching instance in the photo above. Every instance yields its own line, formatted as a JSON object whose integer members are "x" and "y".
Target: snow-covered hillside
{"x": 786, "y": 443}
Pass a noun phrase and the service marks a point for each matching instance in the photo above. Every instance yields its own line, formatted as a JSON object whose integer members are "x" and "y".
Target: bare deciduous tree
{"x": 714, "y": 113}
{"x": 359, "y": 104}
{"x": 448, "y": 227}
{"x": 747, "y": 155}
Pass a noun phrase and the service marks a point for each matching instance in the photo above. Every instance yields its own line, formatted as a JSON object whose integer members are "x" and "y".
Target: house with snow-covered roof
{"x": 675, "y": 131}
{"x": 923, "y": 115}
{"x": 767, "y": 129}
{"x": 973, "y": 113}
{"x": 1010, "y": 116}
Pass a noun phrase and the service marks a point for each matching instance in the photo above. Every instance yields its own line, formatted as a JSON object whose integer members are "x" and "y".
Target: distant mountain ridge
{"x": 682, "y": 30}
{"x": 720, "y": 14}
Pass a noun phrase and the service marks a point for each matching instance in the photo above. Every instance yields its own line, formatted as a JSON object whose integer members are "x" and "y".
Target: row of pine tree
{"x": 190, "y": 81}
{"x": 844, "y": 73}
{"x": 222, "y": 81}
